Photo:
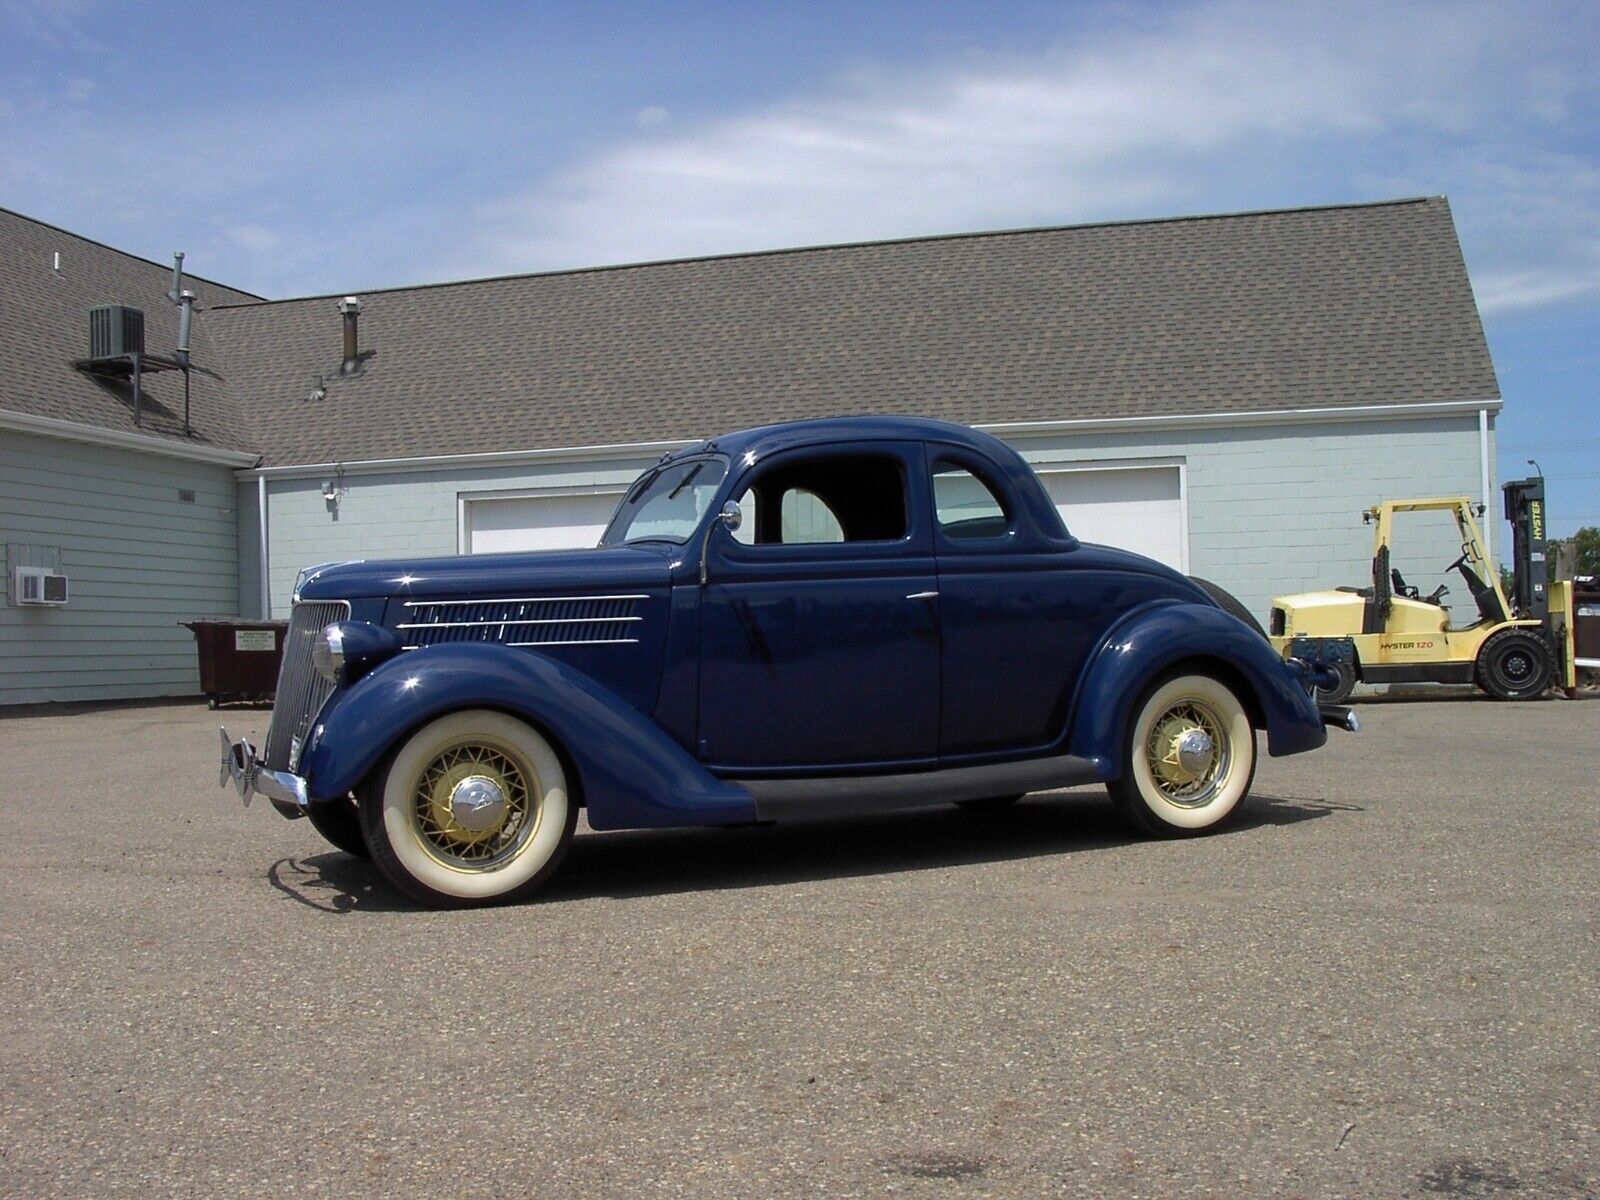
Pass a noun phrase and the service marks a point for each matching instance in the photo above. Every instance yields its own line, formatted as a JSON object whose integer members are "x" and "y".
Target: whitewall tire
{"x": 472, "y": 809}
{"x": 1188, "y": 759}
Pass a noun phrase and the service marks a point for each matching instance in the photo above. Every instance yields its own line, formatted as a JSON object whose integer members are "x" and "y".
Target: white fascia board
{"x": 1073, "y": 425}
{"x": 492, "y": 458}
{"x": 1287, "y": 416}
{"x": 76, "y": 431}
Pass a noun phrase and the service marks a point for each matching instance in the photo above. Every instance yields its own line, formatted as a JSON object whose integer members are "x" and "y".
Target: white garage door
{"x": 1136, "y": 508}
{"x": 494, "y": 524}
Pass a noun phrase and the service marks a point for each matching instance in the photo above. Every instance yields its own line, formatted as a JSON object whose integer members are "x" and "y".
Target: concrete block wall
{"x": 387, "y": 514}
{"x": 1271, "y": 508}
{"x": 1275, "y": 509}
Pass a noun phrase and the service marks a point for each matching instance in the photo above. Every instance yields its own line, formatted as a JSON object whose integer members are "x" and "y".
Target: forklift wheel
{"x": 1515, "y": 665}
{"x": 1344, "y": 675}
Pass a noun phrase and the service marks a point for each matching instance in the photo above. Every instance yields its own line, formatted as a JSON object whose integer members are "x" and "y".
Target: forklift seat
{"x": 1484, "y": 596}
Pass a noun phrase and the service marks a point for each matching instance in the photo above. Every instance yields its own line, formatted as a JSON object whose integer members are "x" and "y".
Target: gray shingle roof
{"x": 44, "y": 325}
{"x": 1296, "y": 309}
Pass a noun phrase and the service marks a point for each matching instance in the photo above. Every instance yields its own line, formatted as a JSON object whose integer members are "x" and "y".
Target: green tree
{"x": 1586, "y": 551}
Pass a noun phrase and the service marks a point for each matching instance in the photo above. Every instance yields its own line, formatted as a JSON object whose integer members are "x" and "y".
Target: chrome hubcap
{"x": 1187, "y": 753}
{"x": 1196, "y": 751}
{"x": 478, "y": 804}
{"x": 474, "y": 806}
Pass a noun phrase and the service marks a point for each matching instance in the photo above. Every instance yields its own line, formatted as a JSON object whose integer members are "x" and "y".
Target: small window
{"x": 965, "y": 505}
{"x": 831, "y": 499}
{"x": 807, "y": 519}
{"x": 749, "y": 511}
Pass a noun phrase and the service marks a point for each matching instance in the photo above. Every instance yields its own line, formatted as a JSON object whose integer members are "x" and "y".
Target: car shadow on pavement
{"x": 654, "y": 862}
{"x": 336, "y": 882}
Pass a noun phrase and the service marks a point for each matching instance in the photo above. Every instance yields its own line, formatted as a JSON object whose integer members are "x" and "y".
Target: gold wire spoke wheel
{"x": 471, "y": 808}
{"x": 1189, "y": 757}
{"x": 474, "y": 804}
{"x": 1188, "y": 752}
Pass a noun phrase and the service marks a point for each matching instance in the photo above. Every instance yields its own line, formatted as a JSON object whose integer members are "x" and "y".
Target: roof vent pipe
{"x": 350, "y": 307}
{"x": 176, "y": 294}
{"x": 185, "y": 318}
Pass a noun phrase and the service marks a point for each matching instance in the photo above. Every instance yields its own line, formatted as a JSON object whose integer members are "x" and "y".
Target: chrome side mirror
{"x": 730, "y": 516}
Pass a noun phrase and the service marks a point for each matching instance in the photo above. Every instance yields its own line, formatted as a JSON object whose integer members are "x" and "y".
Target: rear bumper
{"x": 1337, "y": 716}
{"x": 286, "y": 792}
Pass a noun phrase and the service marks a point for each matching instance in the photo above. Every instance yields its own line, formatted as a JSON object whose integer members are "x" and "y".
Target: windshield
{"x": 666, "y": 504}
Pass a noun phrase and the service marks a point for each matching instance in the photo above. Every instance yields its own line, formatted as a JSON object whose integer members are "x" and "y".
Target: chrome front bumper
{"x": 239, "y": 762}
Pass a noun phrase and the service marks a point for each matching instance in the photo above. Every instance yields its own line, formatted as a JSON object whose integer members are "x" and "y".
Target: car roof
{"x": 763, "y": 440}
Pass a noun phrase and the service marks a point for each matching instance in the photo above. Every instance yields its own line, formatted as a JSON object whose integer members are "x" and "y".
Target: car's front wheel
{"x": 1188, "y": 759}
{"x": 472, "y": 809}
{"x": 340, "y": 823}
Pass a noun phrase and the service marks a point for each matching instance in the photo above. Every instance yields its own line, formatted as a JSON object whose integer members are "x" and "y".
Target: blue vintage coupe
{"x": 821, "y": 617}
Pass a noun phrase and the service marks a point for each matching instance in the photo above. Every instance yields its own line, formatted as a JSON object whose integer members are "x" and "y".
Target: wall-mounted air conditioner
{"x": 36, "y": 585}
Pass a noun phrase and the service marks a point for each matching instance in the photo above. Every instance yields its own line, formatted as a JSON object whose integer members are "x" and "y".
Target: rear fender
{"x": 1151, "y": 640}
{"x": 632, "y": 774}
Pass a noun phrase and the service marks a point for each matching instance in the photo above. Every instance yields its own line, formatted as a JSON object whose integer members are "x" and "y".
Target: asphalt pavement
{"x": 1382, "y": 982}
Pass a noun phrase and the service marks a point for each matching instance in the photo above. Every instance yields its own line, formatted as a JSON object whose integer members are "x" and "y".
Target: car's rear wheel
{"x": 1188, "y": 758}
{"x": 340, "y": 823}
{"x": 472, "y": 809}
{"x": 1228, "y": 603}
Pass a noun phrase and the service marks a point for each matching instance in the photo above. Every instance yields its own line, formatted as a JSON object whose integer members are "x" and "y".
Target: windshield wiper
{"x": 685, "y": 481}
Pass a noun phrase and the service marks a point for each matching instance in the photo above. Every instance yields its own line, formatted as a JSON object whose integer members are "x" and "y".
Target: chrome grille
{"x": 523, "y": 621}
{"x": 301, "y": 690}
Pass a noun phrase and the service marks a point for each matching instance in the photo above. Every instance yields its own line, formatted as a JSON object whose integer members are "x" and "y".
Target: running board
{"x": 840, "y": 795}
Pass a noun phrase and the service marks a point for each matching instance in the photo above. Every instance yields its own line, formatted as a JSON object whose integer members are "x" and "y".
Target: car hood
{"x": 518, "y": 574}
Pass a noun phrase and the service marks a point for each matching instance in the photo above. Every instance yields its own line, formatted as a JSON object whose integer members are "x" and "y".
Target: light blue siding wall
{"x": 139, "y": 558}
{"x": 1271, "y": 508}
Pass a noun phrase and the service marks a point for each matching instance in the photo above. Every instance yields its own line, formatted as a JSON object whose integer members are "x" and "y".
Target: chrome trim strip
{"x": 524, "y": 621}
{"x": 518, "y": 600}
{"x": 579, "y": 642}
{"x": 583, "y": 642}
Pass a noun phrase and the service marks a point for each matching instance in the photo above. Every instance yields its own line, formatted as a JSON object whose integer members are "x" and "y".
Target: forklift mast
{"x": 1524, "y": 502}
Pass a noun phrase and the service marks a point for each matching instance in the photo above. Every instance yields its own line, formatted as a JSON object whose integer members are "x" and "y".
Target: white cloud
{"x": 254, "y": 237}
{"x": 651, "y": 117}
{"x": 1224, "y": 106}
{"x": 1508, "y": 291}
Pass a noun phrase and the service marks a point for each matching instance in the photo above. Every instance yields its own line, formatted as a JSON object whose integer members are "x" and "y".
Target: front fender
{"x": 1148, "y": 641}
{"x": 632, "y": 774}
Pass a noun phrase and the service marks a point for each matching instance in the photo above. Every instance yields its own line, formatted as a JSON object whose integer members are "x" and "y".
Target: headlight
{"x": 327, "y": 652}
{"x": 346, "y": 650}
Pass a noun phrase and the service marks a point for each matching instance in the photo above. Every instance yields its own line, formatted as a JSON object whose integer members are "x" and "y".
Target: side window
{"x": 827, "y": 499}
{"x": 965, "y": 505}
{"x": 808, "y": 519}
{"x": 750, "y": 506}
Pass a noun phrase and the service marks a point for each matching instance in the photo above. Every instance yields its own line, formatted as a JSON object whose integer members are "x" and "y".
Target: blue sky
{"x": 329, "y": 147}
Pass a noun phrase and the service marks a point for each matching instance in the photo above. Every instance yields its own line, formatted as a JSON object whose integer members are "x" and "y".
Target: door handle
{"x": 923, "y": 596}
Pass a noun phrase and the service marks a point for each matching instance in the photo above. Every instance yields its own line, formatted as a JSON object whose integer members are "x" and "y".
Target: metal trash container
{"x": 1586, "y": 620}
{"x": 239, "y": 659}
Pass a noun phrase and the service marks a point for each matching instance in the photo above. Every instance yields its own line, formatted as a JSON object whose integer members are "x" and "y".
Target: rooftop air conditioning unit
{"x": 36, "y": 585}
{"x": 115, "y": 330}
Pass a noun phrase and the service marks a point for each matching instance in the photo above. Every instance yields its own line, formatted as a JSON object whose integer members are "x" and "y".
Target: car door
{"x": 1015, "y": 622}
{"x": 819, "y": 620}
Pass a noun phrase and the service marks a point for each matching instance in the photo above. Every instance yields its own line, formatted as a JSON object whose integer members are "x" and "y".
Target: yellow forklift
{"x": 1514, "y": 648}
